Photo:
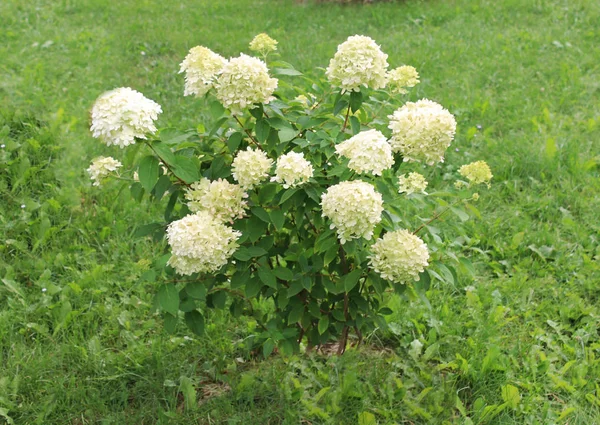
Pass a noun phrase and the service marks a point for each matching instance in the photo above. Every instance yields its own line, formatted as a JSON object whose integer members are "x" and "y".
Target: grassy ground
{"x": 519, "y": 343}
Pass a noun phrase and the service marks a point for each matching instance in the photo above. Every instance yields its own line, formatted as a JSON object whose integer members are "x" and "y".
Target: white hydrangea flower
{"x": 201, "y": 67}
{"x": 250, "y": 167}
{"x": 292, "y": 170}
{"x": 263, "y": 44}
{"x": 399, "y": 256}
{"x": 101, "y": 167}
{"x": 225, "y": 201}
{"x": 243, "y": 82}
{"x": 200, "y": 243}
{"x": 477, "y": 172}
{"x": 358, "y": 62}
{"x": 368, "y": 152}
{"x": 122, "y": 115}
{"x": 402, "y": 77}
{"x": 412, "y": 183}
{"x": 354, "y": 208}
{"x": 422, "y": 131}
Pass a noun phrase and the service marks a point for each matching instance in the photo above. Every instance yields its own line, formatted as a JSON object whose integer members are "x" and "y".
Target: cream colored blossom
{"x": 477, "y": 172}
{"x": 412, "y": 183}
{"x": 263, "y": 44}
{"x": 292, "y": 170}
{"x": 358, "y": 62}
{"x": 101, "y": 168}
{"x": 122, "y": 115}
{"x": 201, "y": 67}
{"x": 400, "y": 78}
{"x": 422, "y": 131}
{"x": 225, "y": 201}
{"x": 368, "y": 152}
{"x": 243, "y": 82}
{"x": 200, "y": 243}
{"x": 354, "y": 208}
{"x": 399, "y": 256}
{"x": 250, "y": 167}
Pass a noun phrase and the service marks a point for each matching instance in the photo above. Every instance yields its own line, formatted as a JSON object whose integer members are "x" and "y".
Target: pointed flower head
{"x": 400, "y": 78}
{"x": 201, "y": 67}
{"x": 243, "y": 82}
{"x": 292, "y": 170}
{"x": 477, "y": 172}
{"x": 263, "y": 44}
{"x": 358, "y": 62}
{"x": 101, "y": 167}
{"x": 354, "y": 208}
{"x": 122, "y": 115}
{"x": 368, "y": 152}
{"x": 422, "y": 131}
{"x": 225, "y": 201}
{"x": 250, "y": 167}
{"x": 412, "y": 183}
{"x": 399, "y": 256}
{"x": 200, "y": 243}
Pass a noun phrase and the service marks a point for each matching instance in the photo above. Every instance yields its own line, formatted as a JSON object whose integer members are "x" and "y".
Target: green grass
{"x": 80, "y": 341}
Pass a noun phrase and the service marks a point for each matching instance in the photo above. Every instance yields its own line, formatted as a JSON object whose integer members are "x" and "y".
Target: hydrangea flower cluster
{"x": 477, "y": 172}
{"x": 250, "y": 167}
{"x": 223, "y": 200}
{"x": 422, "y": 131}
{"x": 401, "y": 78}
{"x": 354, "y": 208}
{"x": 358, "y": 62}
{"x": 368, "y": 152}
{"x": 263, "y": 44}
{"x": 292, "y": 170}
{"x": 201, "y": 67}
{"x": 399, "y": 256}
{"x": 243, "y": 82}
{"x": 200, "y": 243}
{"x": 412, "y": 183}
{"x": 101, "y": 167}
{"x": 122, "y": 115}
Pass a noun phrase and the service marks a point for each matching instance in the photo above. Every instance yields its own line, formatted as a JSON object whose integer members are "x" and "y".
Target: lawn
{"x": 512, "y": 337}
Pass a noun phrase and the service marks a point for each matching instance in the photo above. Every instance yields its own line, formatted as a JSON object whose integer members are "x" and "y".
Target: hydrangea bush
{"x": 291, "y": 196}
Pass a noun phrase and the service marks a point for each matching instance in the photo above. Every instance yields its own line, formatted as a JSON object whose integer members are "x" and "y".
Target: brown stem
{"x": 168, "y": 167}
{"x": 248, "y": 132}
{"x": 346, "y": 119}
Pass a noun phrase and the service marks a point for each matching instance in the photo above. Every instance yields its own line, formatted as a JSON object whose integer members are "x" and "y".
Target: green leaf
{"x": 147, "y": 229}
{"x": 195, "y": 321}
{"x": 234, "y": 141}
{"x": 296, "y": 313}
{"x": 511, "y": 396}
{"x": 218, "y": 299}
{"x": 286, "y": 134}
{"x": 170, "y": 322}
{"x": 461, "y": 214}
{"x": 283, "y": 273}
{"x": 253, "y": 287}
{"x": 277, "y": 218}
{"x": 284, "y": 71}
{"x": 323, "y": 324}
{"x": 168, "y": 298}
{"x": 287, "y": 195}
{"x": 268, "y": 347}
{"x": 340, "y": 104}
{"x": 216, "y": 126}
{"x": 216, "y": 110}
{"x": 356, "y": 100}
{"x": 267, "y": 192}
{"x": 355, "y": 124}
{"x": 162, "y": 185}
{"x": 262, "y": 214}
{"x": 244, "y": 253}
{"x": 262, "y": 130}
{"x": 164, "y": 152}
{"x": 187, "y": 169}
{"x": 351, "y": 279}
{"x": 148, "y": 172}
{"x": 239, "y": 278}
{"x": 366, "y": 418}
{"x": 196, "y": 290}
{"x": 551, "y": 148}
{"x": 137, "y": 191}
{"x": 268, "y": 278}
